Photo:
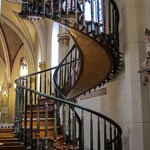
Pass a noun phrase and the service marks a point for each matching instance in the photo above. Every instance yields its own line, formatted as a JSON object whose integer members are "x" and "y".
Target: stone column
{"x": 138, "y": 105}
{"x": 42, "y": 66}
{"x": 63, "y": 40}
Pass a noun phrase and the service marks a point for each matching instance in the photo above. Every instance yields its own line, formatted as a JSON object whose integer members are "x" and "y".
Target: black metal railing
{"x": 66, "y": 74}
{"x": 102, "y": 23}
{"x": 102, "y": 130}
{"x": 32, "y": 89}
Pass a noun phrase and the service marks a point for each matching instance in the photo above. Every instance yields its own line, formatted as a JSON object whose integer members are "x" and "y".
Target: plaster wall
{"x": 2, "y": 72}
{"x": 127, "y": 100}
{"x": 14, "y": 75}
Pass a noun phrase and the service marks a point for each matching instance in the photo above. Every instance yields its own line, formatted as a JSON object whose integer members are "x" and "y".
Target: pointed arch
{"x": 6, "y": 55}
{"x": 24, "y": 40}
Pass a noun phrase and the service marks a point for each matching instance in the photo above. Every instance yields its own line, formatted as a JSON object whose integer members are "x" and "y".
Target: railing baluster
{"x": 115, "y": 143}
{"x": 35, "y": 90}
{"x": 73, "y": 129}
{"x": 110, "y": 145}
{"x": 105, "y": 135}
{"x": 113, "y": 20}
{"x": 82, "y": 131}
{"x": 99, "y": 135}
{"x": 45, "y": 84}
{"x": 16, "y": 111}
{"x": 55, "y": 126}
{"x": 69, "y": 122}
{"x": 70, "y": 62}
{"x": 71, "y": 5}
{"x": 51, "y": 10}
{"x": 62, "y": 78}
{"x": 104, "y": 18}
{"x": 91, "y": 133}
{"x": 46, "y": 125}
{"x": 59, "y": 11}
{"x": 76, "y": 15}
{"x": 67, "y": 13}
{"x": 64, "y": 126}
{"x": 38, "y": 124}
{"x": 21, "y": 112}
{"x": 25, "y": 115}
{"x": 92, "y": 17}
{"x": 65, "y": 74}
{"x": 40, "y": 82}
{"x": 83, "y": 16}
{"x": 50, "y": 83}
{"x": 98, "y": 16}
{"x": 31, "y": 120}
{"x": 44, "y": 8}
{"x": 109, "y": 17}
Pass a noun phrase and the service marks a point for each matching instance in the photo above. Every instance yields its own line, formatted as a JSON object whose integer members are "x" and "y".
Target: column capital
{"x": 64, "y": 38}
{"x": 42, "y": 65}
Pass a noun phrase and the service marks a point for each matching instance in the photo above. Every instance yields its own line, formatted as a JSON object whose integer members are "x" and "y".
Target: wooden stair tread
{"x": 41, "y": 111}
{"x": 51, "y": 137}
{"x": 43, "y": 127}
{"x": 68, "y": 147}
{"x": 41, "y": 119}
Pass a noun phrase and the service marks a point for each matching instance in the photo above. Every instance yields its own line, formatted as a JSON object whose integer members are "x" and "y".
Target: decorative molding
{"x": 64, "y": 38}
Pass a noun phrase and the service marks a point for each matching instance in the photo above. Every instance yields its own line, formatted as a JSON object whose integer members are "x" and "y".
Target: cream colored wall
{"x": 16, "y": 73}
{"x": 127, "y": 100}
{"x": 2, "y": 72}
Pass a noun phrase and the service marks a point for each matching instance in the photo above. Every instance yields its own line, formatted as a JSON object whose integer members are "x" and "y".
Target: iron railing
{"x": 32, "y": 89}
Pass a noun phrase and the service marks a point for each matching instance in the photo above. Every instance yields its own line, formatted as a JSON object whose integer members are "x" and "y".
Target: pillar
{"x": 63, "y": 40}
{"x": 138, "y": 104}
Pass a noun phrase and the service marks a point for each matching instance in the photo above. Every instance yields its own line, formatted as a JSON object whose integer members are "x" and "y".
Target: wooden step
{"x": 59, "y": 141}
{"x": 12, "y": 147}
{"x": 43, "y": 100}
{"x": 68, "y": 147}
{"x": 42, "y": 131}
{"x": 6, "y": 130}
{"x": 42, "y": 114}
{"x": 42, "y": 106}
{"x": 42, "y": 122}
{"x": 8, "y": 140}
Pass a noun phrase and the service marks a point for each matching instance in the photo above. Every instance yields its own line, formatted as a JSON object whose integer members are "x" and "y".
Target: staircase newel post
{"x": 38, "y": 124}
{"x": 46, "y": 125}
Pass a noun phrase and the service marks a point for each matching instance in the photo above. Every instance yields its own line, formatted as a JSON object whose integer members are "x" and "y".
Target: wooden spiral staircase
{"x": 46, "y": 116}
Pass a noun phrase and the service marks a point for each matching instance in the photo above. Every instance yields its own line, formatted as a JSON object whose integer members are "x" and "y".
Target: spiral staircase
{"x": 47, "y": 116}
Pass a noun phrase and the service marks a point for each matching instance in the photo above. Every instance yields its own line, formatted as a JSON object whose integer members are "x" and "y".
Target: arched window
{"x": 23, "y": 66}
{"x": 88, "y": 10}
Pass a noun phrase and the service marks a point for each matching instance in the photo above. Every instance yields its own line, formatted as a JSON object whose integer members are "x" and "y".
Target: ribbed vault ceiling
{"x": 12, "y": 41}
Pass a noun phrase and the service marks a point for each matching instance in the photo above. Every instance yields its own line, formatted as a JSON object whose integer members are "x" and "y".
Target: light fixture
{"x": 23, "y": 67}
